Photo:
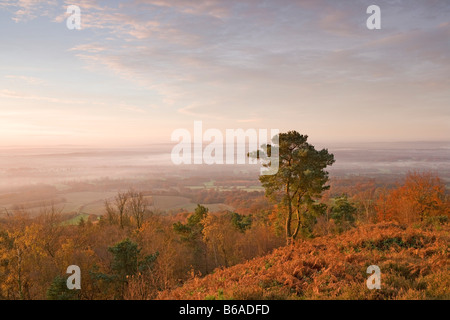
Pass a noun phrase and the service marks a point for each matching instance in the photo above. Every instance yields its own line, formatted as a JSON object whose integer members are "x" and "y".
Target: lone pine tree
{"x": 300, "y": 180}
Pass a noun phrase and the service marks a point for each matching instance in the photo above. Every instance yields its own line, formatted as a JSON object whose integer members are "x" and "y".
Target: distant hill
{"x": 414, "y": 264}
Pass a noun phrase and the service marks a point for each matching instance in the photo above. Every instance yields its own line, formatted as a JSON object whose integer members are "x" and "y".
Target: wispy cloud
{"x": 286, "y": 63}
{"x": 23, "y": 10}
{"x": 5, "y": 93}
{"x": 26, "y": 79}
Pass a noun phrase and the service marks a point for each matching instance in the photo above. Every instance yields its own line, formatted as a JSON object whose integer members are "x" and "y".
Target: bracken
{"x": 413, "y": 262}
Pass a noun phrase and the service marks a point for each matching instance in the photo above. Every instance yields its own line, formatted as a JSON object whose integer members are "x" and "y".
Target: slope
{"x": 413, "y": 262}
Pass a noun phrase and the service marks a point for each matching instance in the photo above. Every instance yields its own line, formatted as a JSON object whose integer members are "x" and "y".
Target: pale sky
{"x": 138, "y": 70}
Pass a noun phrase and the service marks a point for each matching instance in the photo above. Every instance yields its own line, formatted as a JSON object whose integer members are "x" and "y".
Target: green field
{"x": 76, "y": 220}
{"x": 93, "y": 203}
{"x": 167, "y": 203}
{"x": 227, "y": 188}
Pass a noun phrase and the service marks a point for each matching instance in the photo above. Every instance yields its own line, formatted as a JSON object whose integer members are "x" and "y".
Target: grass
{"x": 226, "y": 188}
{"x": 76, "y": 220}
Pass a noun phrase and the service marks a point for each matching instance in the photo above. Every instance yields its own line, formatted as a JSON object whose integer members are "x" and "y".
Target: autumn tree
{"x": 51, "y": 228}
{"x": 422, "y": 195}
{"x": 25, "y": 261}
{"x": 300, "y": 179}
{"x": 157, "y": 235}
{"x": 137, "y": 206}
{"x": 117, "y": 211}
{"x": 111, "y": 214}
{"x": 383, "y": 204}
{"x": 221, "y": 235}
{"x": 365, "y": 198}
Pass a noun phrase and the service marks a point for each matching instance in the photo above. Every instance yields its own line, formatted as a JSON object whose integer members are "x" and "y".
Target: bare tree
{"x": 121, "y": 203}
{"x": 111, "y": 213}
{"x": 117, "y": 212}
{"x": 137, "y": 206}
{"x": 51, "y": 218}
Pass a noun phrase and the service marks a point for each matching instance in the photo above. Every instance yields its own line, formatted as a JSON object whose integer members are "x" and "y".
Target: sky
{"x": 138, "y": 70}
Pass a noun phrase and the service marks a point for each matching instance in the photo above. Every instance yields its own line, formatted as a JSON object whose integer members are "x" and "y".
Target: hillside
{"x": 413, "y": 262}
